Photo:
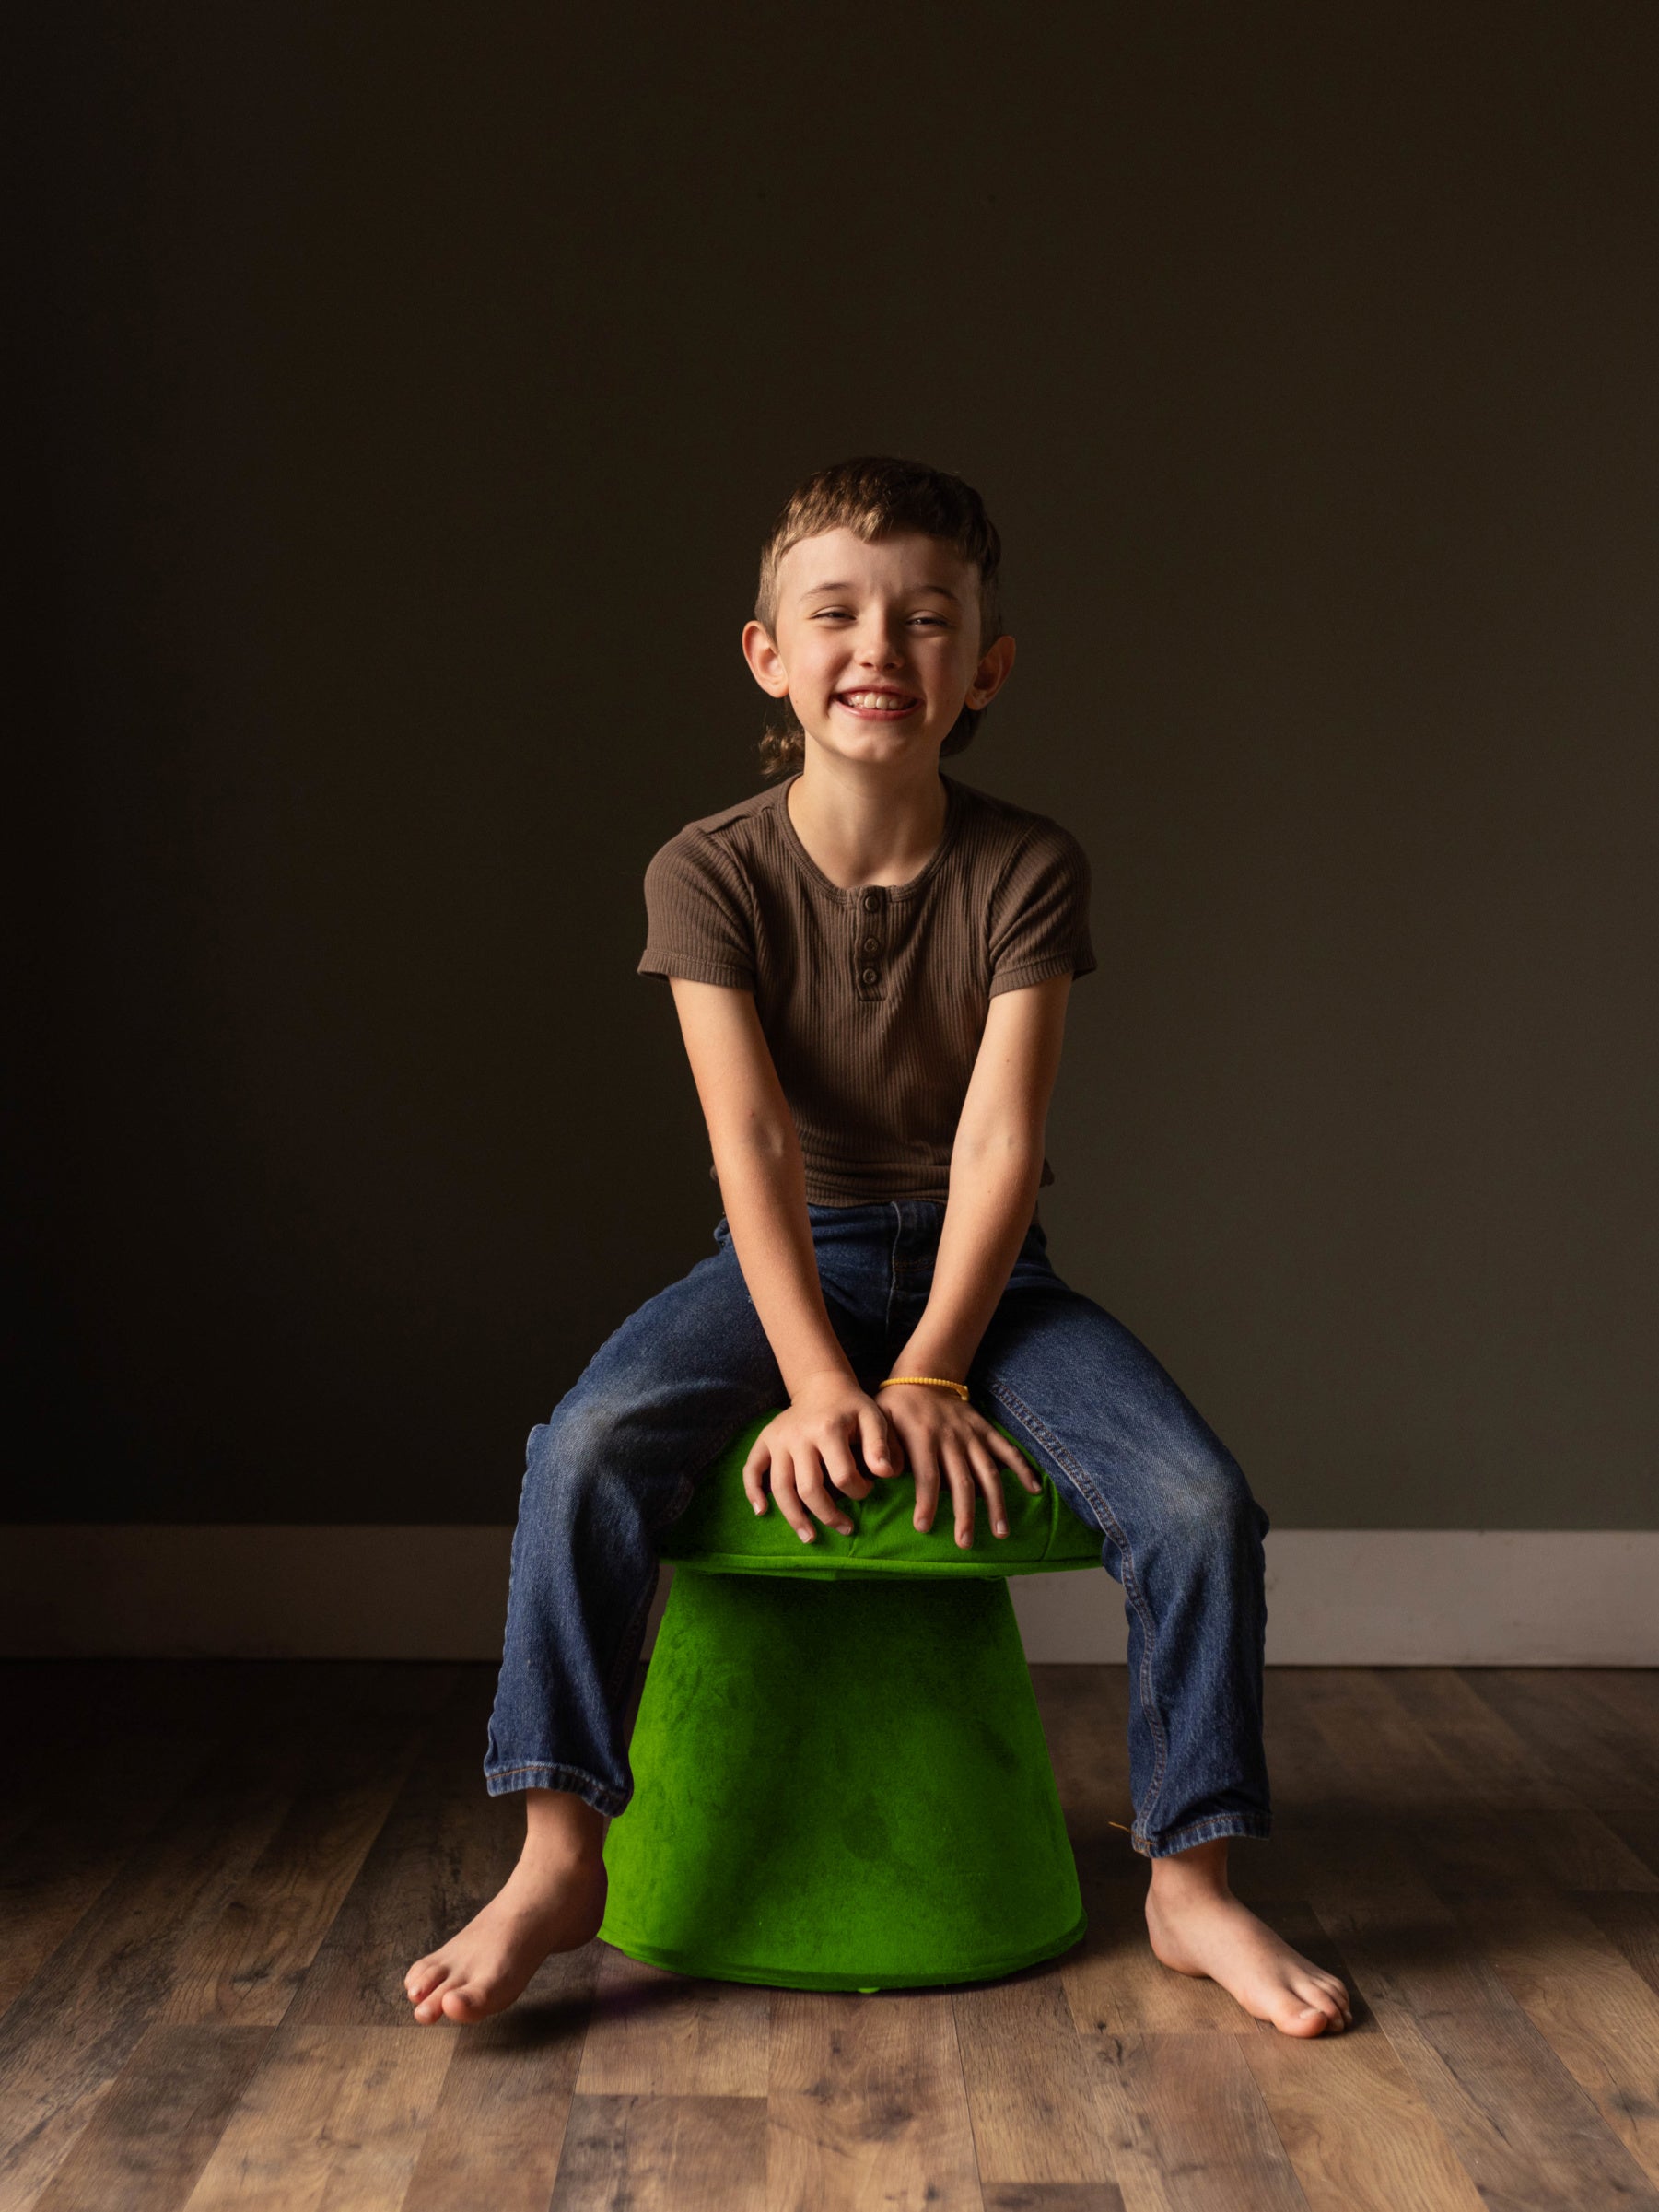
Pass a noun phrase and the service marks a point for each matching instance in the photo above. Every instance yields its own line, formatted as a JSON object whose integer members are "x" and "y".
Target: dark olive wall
{"x": 407, "y": 393}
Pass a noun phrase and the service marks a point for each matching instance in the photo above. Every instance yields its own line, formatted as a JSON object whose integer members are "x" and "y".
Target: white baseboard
{"x": 1336, "y": 1597}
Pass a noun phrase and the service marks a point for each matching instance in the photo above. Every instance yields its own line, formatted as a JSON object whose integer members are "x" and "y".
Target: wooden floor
{"x": 216, "y": 1875}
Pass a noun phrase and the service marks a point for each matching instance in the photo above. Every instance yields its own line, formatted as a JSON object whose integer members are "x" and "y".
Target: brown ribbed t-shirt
{"x": 873, "y": 1000}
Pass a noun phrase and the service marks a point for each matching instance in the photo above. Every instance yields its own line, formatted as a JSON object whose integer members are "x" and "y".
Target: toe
{"x": 422, "y": 1978}
{"x": 431, "y": 2005}
{"x": 464, "y": 2004}
{"x": 1332, "y": 2014}
{"x": 1325, "y": 1989}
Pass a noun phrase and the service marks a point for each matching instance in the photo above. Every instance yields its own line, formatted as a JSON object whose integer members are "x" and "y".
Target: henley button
{"x": 869, "y": 976}
{"x": 870, "y": 902}
{"x": 868, "y": 945}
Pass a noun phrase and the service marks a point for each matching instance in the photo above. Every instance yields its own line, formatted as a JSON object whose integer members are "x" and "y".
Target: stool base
{"x": 840, "y": 1786}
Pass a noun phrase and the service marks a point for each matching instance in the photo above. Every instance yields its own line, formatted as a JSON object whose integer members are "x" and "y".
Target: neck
{"x": 861, "y": 828}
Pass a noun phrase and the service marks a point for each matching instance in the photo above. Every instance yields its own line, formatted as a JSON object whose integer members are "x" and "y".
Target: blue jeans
{"x": 665, "y": 1395}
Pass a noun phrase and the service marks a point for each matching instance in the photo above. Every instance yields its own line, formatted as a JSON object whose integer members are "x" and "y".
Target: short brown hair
{"x": 878, "y": 496}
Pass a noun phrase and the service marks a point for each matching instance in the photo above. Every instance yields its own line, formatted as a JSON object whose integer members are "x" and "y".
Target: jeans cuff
{"x": 1207, "y": 1830}
{"x": 500, "y": 1781}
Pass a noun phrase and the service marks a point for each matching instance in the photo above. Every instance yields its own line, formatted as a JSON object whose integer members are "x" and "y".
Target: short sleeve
{"x": 1039, "y": 921}
{"x": 697, "y": 915}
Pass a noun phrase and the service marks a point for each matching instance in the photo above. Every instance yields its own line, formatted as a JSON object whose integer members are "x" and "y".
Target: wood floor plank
{"x": 39, "y": 1761}
{"x": 1639, "y": 1831}
{"x": 1604, "y": 1758}
{"x": 1588, "y": 2006}
{"x": 866, "y": 2105}
{"x": 1632, "y": 1691}
{"x": 1357, "y": 2134}
{"x": 1494, "y": 1764}
{"x": 498, "y": 2131}
{"x": 1406, "y": 1723}
{"x": 1028, "y": 2084}
{"x": 1395, "y": 1768}
{"x": 441, "y": 1852}
{"x": 1578, "y": 1849}
{"x": 1631, "y": 1923}
{"x": 156, "y": 2129}
{"x": 659, "y": 2034}
{"x": 1189, "y": 2128}
{"x": 1573, "y": 1981}
{"x": 663, "y": 2154}
{"x": 332, "y": 2116}
{"x": 246, "y": 1965}
{"x": 1522, "y": 2127}
{"x": 70, "y": 2033}
{"x": 1052, "y": 2196}
{"x": 55, "y": 1867}
{"x": 1306, "y": 1782}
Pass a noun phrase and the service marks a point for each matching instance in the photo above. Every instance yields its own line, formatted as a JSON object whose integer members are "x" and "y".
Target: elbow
{"x": 1012, "y": 1150}
{"x": 758, "y": 1143}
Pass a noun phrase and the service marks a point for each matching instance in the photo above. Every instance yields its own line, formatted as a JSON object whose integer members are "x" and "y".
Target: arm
{"x": 763, "y": 1184}
{"x": 995, "y": 1163}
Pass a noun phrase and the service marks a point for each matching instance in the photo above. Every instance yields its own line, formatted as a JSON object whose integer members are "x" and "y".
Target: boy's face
{"x": 877, "y": 647}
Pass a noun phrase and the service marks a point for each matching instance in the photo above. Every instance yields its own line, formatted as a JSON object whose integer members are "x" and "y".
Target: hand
{"x": 940, "y": 1434}
{"x": 812, "y": 1438}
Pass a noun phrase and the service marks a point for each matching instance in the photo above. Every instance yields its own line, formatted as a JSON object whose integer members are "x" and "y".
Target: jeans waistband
{"x": 917, "y": 1219}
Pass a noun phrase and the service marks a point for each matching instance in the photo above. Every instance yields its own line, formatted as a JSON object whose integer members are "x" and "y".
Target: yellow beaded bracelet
{"x": 940, "y": 1382}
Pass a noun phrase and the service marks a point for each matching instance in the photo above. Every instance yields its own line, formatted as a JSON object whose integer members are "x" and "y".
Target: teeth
{"x": 874, "y": 702}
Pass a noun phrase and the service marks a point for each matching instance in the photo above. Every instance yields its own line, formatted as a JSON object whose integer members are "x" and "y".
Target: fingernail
{"x": 805, "y": 1535}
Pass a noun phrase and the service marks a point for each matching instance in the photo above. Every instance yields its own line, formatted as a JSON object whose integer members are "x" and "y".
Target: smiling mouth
{"x": 889, "y": 705}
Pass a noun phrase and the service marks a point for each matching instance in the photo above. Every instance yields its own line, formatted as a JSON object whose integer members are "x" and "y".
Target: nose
{"x": 876, "y": 648}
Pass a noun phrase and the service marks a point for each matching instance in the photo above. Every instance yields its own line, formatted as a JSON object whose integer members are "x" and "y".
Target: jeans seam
{"x": 611, "y": 1802}
{"x": 1132, "y": 1581}
{"x": 1207, "y": 1829}
{"x": 893, "y": 1268}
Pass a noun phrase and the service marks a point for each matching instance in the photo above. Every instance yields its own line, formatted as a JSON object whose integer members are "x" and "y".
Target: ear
{"x": 765, "y": 665}
{"x": 991, "y": 673}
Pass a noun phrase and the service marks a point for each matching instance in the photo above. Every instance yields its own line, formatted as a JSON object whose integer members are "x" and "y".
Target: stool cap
{"x": 720, "y": 1533}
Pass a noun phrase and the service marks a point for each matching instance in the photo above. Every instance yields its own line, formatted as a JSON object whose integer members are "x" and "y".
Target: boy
{"x": 871, "y": 963}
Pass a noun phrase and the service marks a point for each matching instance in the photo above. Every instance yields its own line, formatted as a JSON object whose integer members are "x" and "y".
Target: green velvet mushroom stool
{"x": 840, "y": 1778}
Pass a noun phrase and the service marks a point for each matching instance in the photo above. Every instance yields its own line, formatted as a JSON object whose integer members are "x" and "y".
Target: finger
{"x": 900, "y": 1460}
{"x": 959, "y": 1475}
{"x": 755, "y": 1477}
{"x": 845, "y": 1472}
{"x": 808, "y": 1482}
{"x": 989, "y": 1479}
{"x": 789, "y": 1502}
{"x": 926, "y": 1486}
{"x": 872, "y": 1440}
{"x": 1011, "y": 1455}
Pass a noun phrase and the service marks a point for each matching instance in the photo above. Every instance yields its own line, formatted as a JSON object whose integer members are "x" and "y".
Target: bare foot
{"x": 1199, "y": 1926}
{"x": 553, "y": 1901}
